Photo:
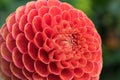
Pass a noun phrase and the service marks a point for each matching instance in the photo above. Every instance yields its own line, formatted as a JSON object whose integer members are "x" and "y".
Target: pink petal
{"x": 41, "y": 3}
{"x": 23, "y": 22}
{"x": 74, "y": 14}
{"x": 37, "y": 24}
{"x": 53, "y": 3}
{"x": 48, "y": 32}
{"x": 47, "y": 20}
{"x": 10, "y": 42}
{"x": 29, "y": 6}
{"x": 28, "y": 62}
{"x": 5, "y": 53}
{"x": 16, "y": 71}
{"x": 32, "y": 51}
{"x": 22, "y": 43}
{"x": 96, "y": 70}
{"x": 85, "y": 77}
{"x": 43, "y": 10}
{"x": 43, "y": 56}
{"x": 66, "y": 16}
{"x": 17, "y": 58}
{"x": 53, "y": 77}
{"x": 78, "y": 72}
{"x": 31, "y": 15}
{"x": 55, "y": 11}
{"x": 66, "y": 74}
{"x": 57, "y": 19}
{"x": 82, "y": 61}
{"x": 41, "y": 68}
{"x": 29, "y": 34}
{"x": 19, "y": 12}
{"x": 15, "y": 30}
{"x": 89, "y": 67}
{"x": 14, "y": 78}
{"x": 39, "y": 40}
{"x": 10, "y": 21}
{"x": 65, "y": 6}
{"x": 36, "y": 76}
{"x": 27, "y": 74}
{"x": 53, "y": 68}
{"x": 5, "y": 67}
{"x": 4, "y": 31}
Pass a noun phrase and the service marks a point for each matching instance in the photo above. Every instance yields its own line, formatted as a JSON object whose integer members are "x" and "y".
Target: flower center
{"x": 70, "y": 44}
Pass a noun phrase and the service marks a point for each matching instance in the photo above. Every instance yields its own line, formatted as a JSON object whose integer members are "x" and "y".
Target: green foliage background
{"x": 106, "y": 16}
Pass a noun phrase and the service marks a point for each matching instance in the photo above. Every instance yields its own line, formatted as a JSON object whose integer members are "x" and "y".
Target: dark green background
{"x": 106, "y": 16}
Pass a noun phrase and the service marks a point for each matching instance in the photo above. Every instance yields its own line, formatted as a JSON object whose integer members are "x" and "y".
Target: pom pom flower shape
{"x": 49, "y": 40}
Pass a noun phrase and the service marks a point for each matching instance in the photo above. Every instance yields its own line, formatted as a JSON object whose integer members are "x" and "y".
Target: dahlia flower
{"x": 49, "y": 40}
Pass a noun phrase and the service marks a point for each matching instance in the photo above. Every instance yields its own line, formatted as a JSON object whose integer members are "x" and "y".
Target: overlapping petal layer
{"x": 49, "y": 40}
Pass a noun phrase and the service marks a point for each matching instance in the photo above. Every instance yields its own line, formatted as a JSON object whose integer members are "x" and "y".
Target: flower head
{"x": 49, "y": 40}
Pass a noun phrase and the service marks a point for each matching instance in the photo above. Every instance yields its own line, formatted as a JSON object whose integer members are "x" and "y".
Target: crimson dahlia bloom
{"x": 49, "y": 40}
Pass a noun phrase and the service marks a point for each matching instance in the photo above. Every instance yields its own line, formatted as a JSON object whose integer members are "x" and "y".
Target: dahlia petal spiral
{"x": 49, "y": 40}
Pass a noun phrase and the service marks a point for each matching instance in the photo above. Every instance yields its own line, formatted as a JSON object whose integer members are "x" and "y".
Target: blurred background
{"x": 106, "y": 16}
